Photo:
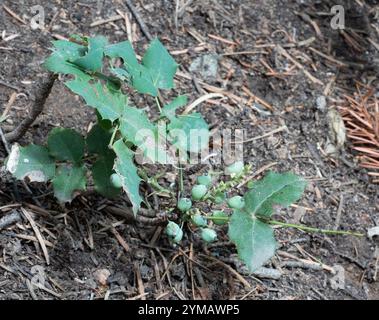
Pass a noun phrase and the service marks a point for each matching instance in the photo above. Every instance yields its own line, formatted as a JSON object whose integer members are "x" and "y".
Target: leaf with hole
{"x": 32, "y": 162}
{"x": 68, "y": 180}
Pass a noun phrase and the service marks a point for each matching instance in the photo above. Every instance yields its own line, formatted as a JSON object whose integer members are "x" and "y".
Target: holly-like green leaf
{"x": 127, "y": 171}
{"x": 253, "y": 238}
{"x": 123, "y": 50}
{"x": 32, "y": 162}
{"x": 98, "y": 139}
{"x": 101, "y": 172}
{"x": 133, "y": 122}
{"x": 161, "y": 65}
{"x": 274, "y": 189}
{"x": 110, "y": 103}
{"x": 169, "y": 110}
{"x": 189, "y": 132}
{"x": 93, "y": 59}
{"x": 156, "y": 71}
{"x": 66, "y": 144}
{"x": 63, "y": 56}
{"x": 67, "y": 181}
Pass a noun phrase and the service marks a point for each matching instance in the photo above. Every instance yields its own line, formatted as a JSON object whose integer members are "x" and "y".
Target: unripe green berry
{"x": 235, "y": 168}
{"x": 178, "y": 237}
{"x": 206, "y": 180}
{"x": 199, "y": 220}
{"x": 219, "y": 217}
{"x": 198, "y": 191}
{"x": 208, "y": 235}
{"x": 116, "y": 180}
{"x": 236, "y": 202}
{"x": 172, "y": 229}
{"x": 184, "y": 204}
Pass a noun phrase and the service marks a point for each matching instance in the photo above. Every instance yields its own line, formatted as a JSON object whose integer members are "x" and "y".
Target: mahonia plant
{"x": 97, "y": 76}
{"x": 248, "y": 216}
{"x": 97, "y": 72}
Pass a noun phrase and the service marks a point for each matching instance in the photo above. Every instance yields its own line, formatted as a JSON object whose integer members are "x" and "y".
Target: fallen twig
{"x": 37, "y": 108}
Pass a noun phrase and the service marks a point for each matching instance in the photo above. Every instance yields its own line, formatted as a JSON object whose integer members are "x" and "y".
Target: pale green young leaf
{"x": 254, "y": 239}
{"x": 161, "y": 65}
{"x": 189, "y": 132}
{"x": 67, "y": 181}
{"x": 275, "y": 189}
{"x": 65, "y": 144}
{"x": 126, "y": 169}
{"x": 134, "y": 123}
{"x": 32, "y": 162}
{"x": 169, "y": 110}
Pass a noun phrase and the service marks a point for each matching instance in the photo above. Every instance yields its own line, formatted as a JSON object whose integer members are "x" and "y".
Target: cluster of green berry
{"x": 203, "y": 191}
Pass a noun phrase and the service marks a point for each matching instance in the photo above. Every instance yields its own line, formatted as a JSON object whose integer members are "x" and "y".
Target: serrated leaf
{"x": 161, "y": 65}
{"x": 67, "y": 181}
{"x": 109, "y": 103}
{"x": 61, "y": 60}
{"x": 126, "y": 169}
{"x": 132, "y": 122}
{"x": 189, "y": 132}
{"x": 93, "y": 59}
{"x": 101, "y": 172}
{"x": 66, "y": 144}
{"x": 156, "y": 71}
{"x": 274, "y": 189}
{"x": 169, "y": 110}
{"x": 123, "y": 50}
{"x": 32, "y": 162}
{"x": 98, "y": 139}
{"x": 254, "y": 239}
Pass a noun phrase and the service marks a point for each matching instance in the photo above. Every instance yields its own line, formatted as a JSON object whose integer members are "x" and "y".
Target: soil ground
{"x": 80, "y": 237}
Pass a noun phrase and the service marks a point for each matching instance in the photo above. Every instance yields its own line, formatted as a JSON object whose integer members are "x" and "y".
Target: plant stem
{"x": 310, "y": 229}
{"x": 158, "y": 104}
{"x": 298, "y": 226}
{"x": 113, "y": 136}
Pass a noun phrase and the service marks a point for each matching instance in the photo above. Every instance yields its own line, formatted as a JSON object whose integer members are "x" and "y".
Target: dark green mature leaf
{"x": 161, "y": 65}
{"x": 101, "y": 172}
{"x": 169, "y": 110}
{"x": 109, "y": 103}
{"x": 126, "y": 169}
{"x": 66, "y": 144}
{"x": 98, "y": 139}
{"x": 93, "y": 60}
{"x": 274, "y": 189}
{"x": 254, "y": 239}
{"x": 189, "y": 132}
{"x": 32, "y": 162}
{"x": 67, "y": 181}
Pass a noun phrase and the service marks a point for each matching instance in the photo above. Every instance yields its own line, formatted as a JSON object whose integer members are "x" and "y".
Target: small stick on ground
{"x": 140, "y": 22}
{"x": 37, "y": 108}
{"x": 37, "y": 233}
